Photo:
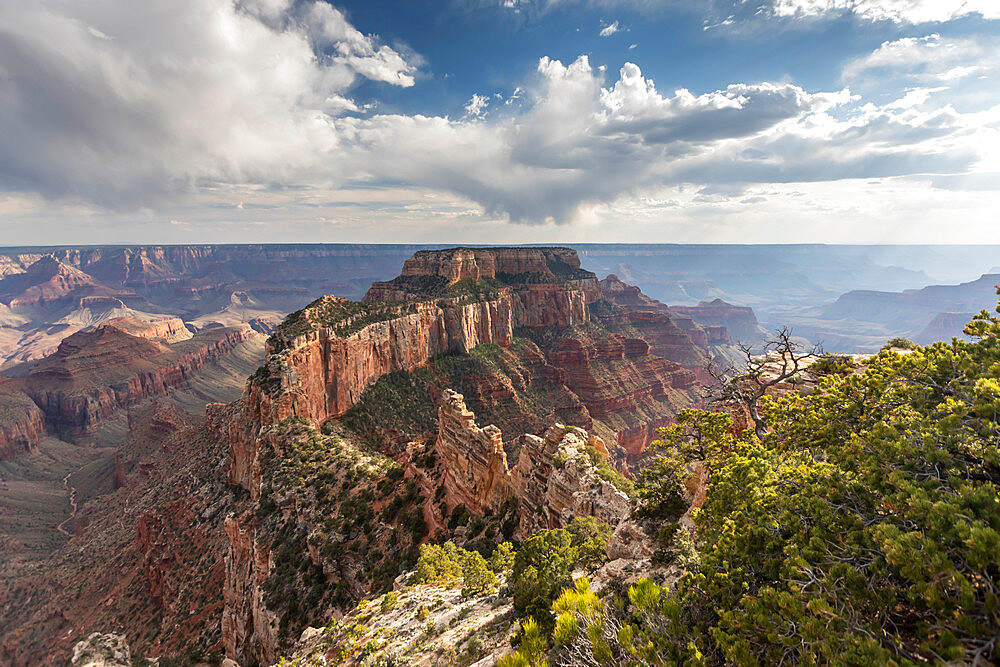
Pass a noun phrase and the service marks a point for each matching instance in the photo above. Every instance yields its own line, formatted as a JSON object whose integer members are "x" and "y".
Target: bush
{"x": 543, "y": 566}
{"x": 830, "y": 364}
{"x": 447, "y": 562}
{"x": 900, "y": 343}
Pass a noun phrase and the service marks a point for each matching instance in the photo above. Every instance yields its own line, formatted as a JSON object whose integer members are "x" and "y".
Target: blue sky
{"x": 499, "y": 121}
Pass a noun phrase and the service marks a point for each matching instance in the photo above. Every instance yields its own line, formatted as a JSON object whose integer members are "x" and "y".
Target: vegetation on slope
{"x": 863, "y": 528}
{"x": 342, "y": 316}
{"x": 498, "y": 384}
{"x": 367, "y": 522}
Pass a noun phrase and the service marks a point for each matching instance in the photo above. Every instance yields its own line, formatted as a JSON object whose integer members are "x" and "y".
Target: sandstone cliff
{"x": 553, "y": 482}
{"x": 526, "y": 331}
{"x": 431, "y": 272}
{"x": 95, "y": 373}
{"x": 167, "y": 330}
{"x": 21, "y": 421}
{"x": 740, "y": 321}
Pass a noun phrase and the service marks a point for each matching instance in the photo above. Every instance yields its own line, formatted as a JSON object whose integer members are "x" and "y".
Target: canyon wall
{"x": 320, "y": 374}
{"x": 21, "y": 422}
{"x": 740, "y": 321}
{"x": 553, "y": 481}
{"x": 323, "y": 358}
{"x": 427, "y": 269}
{"x": 95, "y": 373}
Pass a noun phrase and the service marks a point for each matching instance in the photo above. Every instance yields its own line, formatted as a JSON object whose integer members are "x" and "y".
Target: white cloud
{"x": 900, "y": 11}
{"x": 609, "y": 29}
{"x": 201, "y": 102}
{"x": 967, "y": 68}
{"x": 580, "y": 144}
{"x": 476, "y": 106}
{"x": 185, "y": 94}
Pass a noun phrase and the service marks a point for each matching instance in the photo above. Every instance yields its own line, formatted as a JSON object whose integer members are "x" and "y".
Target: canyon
{"x": 480, "y": 395}
{"x": 504, "y": 320}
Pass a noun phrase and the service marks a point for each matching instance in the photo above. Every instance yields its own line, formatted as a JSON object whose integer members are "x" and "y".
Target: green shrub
{"x": 900, "y": 343}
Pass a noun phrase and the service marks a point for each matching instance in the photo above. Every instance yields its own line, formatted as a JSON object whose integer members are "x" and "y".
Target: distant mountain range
{"x": 851, "y": 298}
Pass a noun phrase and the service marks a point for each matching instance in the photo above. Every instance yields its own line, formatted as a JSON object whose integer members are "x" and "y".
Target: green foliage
{"x": 389, "y": 601}
{"x": 502, "y": 558}
{"x": 447, "y": 562}
{"x": 531, "y": 649}
{"x": 481, "y": 288}
{"x": 342, "y": 316}
{"x": 900, "y": 343}
{"x": 863, "y": 529}
{"x": 609, "y": 474}
{"x": 695, "y": 436}
{"x": 833, "y": 364}
{"x": 543, "y": 565}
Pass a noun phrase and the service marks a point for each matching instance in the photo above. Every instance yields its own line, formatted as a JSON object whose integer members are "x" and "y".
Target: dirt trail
{"x": 72, "y": 503}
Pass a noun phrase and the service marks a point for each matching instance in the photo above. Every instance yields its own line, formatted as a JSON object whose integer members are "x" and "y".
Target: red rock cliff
{"x": 94, "y": 373}
{"x": 21, "y": 421}
{"x": 553, "y": 482}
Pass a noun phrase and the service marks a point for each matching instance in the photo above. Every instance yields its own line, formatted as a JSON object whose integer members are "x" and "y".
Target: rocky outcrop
{"x": 102, "y": 650}
{"x": 46, "y": 281}
{"x": 596, "y": 371}
{"x": 740, "y": 321}
{"x": 475, "y": 464}
{"x": 553, "y": 482}
{"x": 323, "y": 358}
{"x": 249, "y": 630}
{"x": 430, "y": 270}
{"x": 21, "y": 421}
{"x": 167, "y": 330}
{"x": 95, "y": 373}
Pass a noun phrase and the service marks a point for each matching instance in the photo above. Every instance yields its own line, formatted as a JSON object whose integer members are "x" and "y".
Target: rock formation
{"x": 475, "y": 464}
{"x": 248, "y": 628}
{"x": 549, "y": 326}
{"x": 166, "y": 330}
{"x": 95, "y": 373}
{"x": 102, "y": 650}
{"x": 553, "y": 482}
{"x": 740, "y": 321}
{"x": 21, "y": 421}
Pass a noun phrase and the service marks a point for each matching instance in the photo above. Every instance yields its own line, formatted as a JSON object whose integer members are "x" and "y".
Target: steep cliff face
{"x": 21, "y": 421}
{"x": 524, "y": 332}
{"x": 167, "y": 330}
{"x": 475, "y": 464}
{"x": 95, "y": 373}
{"x": 671, "y": 333}
{"x": 740, "y": 321}
{"x": 430, "y": 272}
{"x": 45, "y": 281}
{"x": 553, "y": 482}
{"x": 248, "y": 628}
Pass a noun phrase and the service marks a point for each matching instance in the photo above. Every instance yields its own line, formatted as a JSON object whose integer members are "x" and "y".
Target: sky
{"x": 499, "y": 121}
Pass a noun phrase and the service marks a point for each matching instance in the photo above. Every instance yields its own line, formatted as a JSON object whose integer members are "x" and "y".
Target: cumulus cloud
{"x": 119, "y": 102}
{"x": 899, "y": 11}
{"x": 476, "y": 106}
{"x": 581, "y": 143}
{"x": 197, "y": 98}
{"x": 927, "y": 58}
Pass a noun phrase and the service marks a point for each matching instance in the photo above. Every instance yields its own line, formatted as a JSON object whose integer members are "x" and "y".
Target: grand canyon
{"x": 499, "y": 333}
{"x": 212, "y": 485}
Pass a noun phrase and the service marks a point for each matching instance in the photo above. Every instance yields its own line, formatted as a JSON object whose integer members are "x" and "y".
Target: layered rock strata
{"x": 430, "y": 270}
{"x": 21, "y": 421}
{"x": 553, "y": 481}
{"x": 95, "y": 373}
{"x": 740, "y": 321}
